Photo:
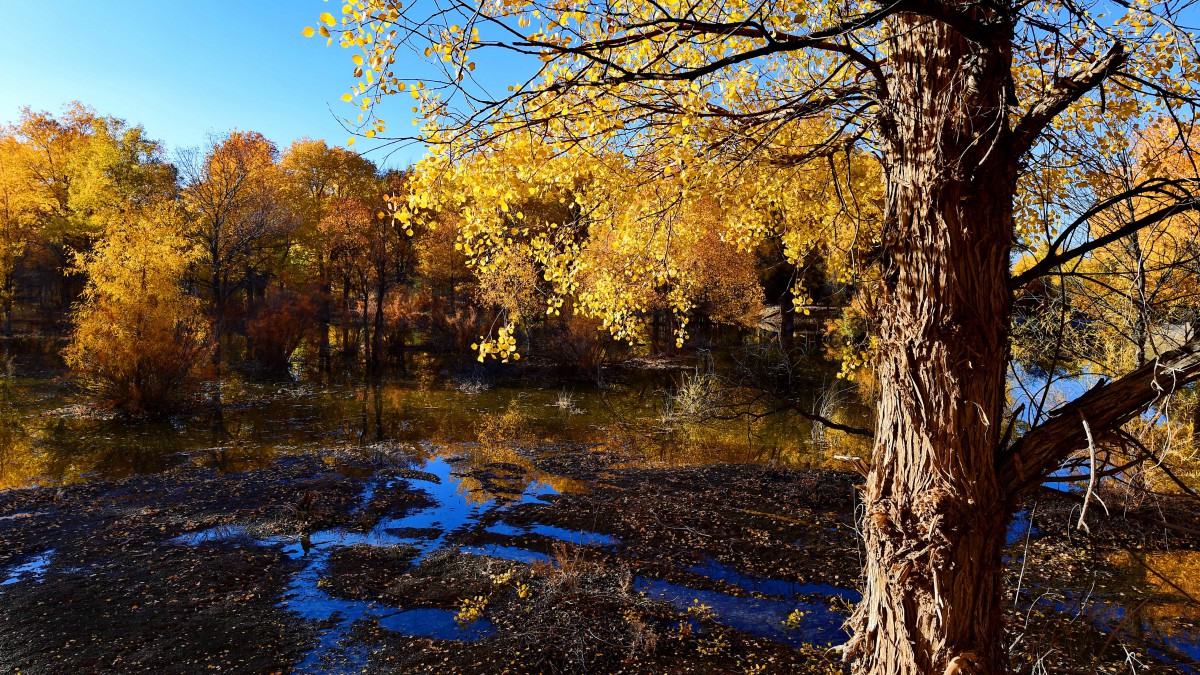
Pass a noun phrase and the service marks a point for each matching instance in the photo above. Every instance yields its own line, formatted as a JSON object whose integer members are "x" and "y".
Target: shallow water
{"x": 51, "y": 437}
{"x": 32, "y": 570}
{"x": 455, "y": 511}
{"x": 430, "y": 425}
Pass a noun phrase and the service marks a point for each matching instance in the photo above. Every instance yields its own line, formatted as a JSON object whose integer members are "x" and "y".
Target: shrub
{"x": 279, "y": 325}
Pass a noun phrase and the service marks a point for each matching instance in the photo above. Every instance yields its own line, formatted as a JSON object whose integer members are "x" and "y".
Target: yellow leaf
{"x": 308, "y": 31}
{"x": 347, "y": 97}
{"x": 328, "y": 19}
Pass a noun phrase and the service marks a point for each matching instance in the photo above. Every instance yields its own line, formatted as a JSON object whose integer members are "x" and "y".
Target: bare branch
{"x": 1054, "y": 259}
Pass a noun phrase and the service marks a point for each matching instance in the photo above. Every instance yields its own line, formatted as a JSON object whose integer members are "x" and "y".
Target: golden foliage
{"x": 139, "y": 339}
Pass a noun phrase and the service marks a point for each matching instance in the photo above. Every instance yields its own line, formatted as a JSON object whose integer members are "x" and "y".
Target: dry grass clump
{"x": 572, "y": 615}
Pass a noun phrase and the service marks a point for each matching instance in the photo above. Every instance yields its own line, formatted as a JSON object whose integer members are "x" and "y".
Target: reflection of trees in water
{"x": 1171, "y": 580}
{"x": 111, "y": 448}
{"x": 19, "y": 463}
{"x": 497, "y": 467}
{"x": 264, "y": 419}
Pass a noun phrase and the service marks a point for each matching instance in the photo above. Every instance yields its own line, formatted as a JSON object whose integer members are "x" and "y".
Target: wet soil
{"x": 557, "y": 559}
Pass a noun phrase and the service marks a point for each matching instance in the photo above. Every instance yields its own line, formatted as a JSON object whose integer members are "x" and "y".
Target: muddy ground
{"x": 192, "y": 570}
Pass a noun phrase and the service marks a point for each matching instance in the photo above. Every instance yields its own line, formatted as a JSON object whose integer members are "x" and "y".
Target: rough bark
{"x": 935, "y": 512}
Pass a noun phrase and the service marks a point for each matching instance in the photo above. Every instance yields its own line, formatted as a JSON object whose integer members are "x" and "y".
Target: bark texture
{"x": 935, "y": 511}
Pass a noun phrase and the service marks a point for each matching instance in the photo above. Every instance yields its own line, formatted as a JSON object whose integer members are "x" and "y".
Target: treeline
{"x": 165, "y": 271}
{"x": 162, "y": 271}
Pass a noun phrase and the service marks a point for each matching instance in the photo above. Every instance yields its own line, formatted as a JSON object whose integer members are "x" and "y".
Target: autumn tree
{"x": 139, "y": 339}
{"x": 19, "y": 207}
{"x": 372, "y": 255}
{"x": 972, "y": 110}
{"x": 83, "y": 170}
{"x": 236, "y": 207}
{"x": 1134, "y": 298}
{"x": 321, "y": 176}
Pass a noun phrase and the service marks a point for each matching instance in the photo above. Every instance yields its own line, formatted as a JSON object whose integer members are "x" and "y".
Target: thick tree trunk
{"x": 935, "y": 512}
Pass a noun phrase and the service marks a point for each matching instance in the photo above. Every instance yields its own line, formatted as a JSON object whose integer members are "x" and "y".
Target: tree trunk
{"x": 218, "y": 336}
{"x": 935, "y": 513}
{"x": 347, "y": 352}
{"x": 1141, "y": 307}
{"x": 323, "y": 321}
{"x": 1196, "y": 402}
{"x": 6, "y": 293}
{"x": 787, "y": 320}
{"x": 377, "y": 334}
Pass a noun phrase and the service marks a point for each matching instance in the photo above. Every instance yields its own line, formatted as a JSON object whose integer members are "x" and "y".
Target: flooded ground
{"x": 53, "y": 438}
{"x": 423, "y": 527}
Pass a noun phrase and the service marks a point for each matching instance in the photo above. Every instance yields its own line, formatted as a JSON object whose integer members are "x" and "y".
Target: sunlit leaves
{"x": 139, "y": 338}
{"x": 655, "y": 122}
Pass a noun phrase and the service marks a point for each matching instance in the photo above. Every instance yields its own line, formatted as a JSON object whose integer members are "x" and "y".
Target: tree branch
{"x": 1064, "y": 93}
{"x": 1105, "y": 407}
{"x": 821, "y": 419}
{"x": 1054, "y": 259}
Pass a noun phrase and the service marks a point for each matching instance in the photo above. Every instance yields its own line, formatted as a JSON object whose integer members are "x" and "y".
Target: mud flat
{"x": 558, "y": 558}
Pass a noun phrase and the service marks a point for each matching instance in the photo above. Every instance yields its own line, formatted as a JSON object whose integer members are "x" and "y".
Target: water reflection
{"x": 1169, "y": 614}
{"x": 455, "y": 511}
{"x": 47, "y": 435}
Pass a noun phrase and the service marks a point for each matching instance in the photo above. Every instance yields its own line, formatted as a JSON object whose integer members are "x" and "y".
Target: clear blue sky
{"x": 183, "y": 68}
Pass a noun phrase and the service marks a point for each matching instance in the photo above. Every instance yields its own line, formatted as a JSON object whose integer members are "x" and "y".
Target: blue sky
{"x": 183, "y": 68}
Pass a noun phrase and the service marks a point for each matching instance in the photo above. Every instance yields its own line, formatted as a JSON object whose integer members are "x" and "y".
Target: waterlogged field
{"x": 52, "y": 437}
{"x": 444, "y": 523}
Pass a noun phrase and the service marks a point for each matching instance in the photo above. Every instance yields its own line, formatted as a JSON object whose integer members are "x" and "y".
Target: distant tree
{"x": 236, "y": 212}
{"x": 372, "y": 255}
{"x": 84, "y": 170}
{"x": 140, "y": 341}
{"x": 320, "y": 176}
{"x": 20, "y": 204}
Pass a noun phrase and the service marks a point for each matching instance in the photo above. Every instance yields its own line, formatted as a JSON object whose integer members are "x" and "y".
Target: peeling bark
{"x": 935, "y": 511}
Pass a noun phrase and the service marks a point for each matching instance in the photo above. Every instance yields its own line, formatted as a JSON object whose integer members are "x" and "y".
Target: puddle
{"x": 29, "y": 571}
{"x": 455, "y": 510}
{"x": 306, "y": 599}
{"x": 1171, "y": 616}
{"x": 1163, "y": 615}
{"x": 760, "y": 617}
{"x": 218, "y": 533}
{"x": 452, "y": 510}
{"x": 507, "y": 553}
{"x": 1019, "y": 527}
{"x": 764, "y": 586}
{"x": 581, "y": 537}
